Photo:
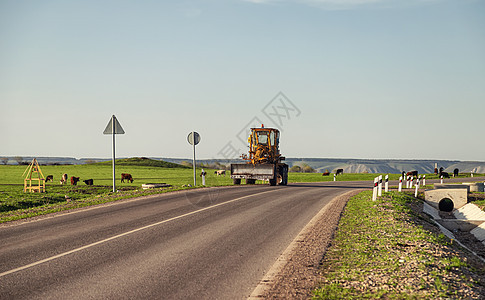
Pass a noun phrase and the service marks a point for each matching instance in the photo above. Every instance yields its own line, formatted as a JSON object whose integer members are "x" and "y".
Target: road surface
{"x": 213, "y": 243}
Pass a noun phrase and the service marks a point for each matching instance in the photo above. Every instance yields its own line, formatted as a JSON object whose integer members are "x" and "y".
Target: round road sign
{"x": 193, "y": 137}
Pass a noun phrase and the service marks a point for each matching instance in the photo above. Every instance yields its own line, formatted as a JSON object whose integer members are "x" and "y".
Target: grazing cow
{"x": 89, "y": 181}
{"x": 441, "y": 170}
{"x": 445, "y": 174}
{"x": 203, "y": 173}
{"x": 339, "y": 171}
{"x": 220, "y": 172}
{"x": 74, "y": 180}
{"x": 64, "y": 178}
{"x": 436, "y": 171}
{"x": 455, "y": 172}
{"x": 127, "y": 177}
{"x": 412, "y": 173}
{"x": 326, "y": 173}
{"x": 49, "y": 178}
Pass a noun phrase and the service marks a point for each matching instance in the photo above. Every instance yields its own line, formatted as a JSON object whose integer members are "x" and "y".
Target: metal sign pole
{"x": 114, "y": 157}
{"x": 114, "y": 127}
{"x": 193, "y": 137}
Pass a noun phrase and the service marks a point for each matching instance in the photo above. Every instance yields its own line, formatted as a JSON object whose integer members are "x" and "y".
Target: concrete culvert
{"x": 446, "y": 204}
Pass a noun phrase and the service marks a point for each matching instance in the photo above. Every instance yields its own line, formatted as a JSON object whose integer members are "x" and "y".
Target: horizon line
{"x": 184, "y": 158}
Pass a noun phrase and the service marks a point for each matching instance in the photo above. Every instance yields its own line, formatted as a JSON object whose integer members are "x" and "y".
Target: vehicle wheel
{"x": 284, "y": 179}
{"x": 284, "y": 176}
{"x": 272, "y": 182}
{"x": 237, "y": 180}
{"x": 250, "y": 181}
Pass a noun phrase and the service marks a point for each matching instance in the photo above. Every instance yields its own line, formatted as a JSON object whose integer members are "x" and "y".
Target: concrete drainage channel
{"x": 147, "y": 186}
{"x": 464, "y": 216}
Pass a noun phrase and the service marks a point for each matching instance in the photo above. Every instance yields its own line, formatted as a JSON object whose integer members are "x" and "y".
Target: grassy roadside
{"x": 389, "y": 249}
{"x": 15, "y": 204}
{"x": 42, "y": 205}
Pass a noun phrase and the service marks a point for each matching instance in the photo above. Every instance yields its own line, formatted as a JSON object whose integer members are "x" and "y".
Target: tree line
{"x": 304, "y": 168}
{"x": 18, "y": 159}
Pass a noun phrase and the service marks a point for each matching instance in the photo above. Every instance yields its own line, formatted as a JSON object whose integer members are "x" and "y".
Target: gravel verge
{"x": 300, "y": 274}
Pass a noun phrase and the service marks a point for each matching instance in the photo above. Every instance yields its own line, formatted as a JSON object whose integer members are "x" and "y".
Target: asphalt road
{"x": 212, "y": 243}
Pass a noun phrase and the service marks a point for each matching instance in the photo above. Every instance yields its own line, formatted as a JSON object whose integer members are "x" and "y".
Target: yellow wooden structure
{"x": 34, "y": 174}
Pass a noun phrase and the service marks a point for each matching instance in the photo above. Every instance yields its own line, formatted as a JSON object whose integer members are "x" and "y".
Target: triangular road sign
{"x": 117, "y": 127}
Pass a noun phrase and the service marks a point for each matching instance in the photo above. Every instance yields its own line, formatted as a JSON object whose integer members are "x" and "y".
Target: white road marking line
{"x": 125, "y": 234}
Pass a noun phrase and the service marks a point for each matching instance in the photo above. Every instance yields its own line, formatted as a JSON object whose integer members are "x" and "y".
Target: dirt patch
{"x": 478, "y": 199}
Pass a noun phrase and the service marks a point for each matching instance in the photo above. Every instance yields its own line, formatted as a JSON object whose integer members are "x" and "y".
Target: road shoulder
{"x": 294, "y": 275}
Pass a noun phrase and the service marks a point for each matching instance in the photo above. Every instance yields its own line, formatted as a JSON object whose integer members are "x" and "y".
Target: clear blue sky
{"x": 359, "y": 78}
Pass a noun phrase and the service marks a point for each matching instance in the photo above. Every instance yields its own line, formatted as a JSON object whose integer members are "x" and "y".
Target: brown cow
{"x": 49, "y": 178}
{"x": 412, "y": 173}
{"x": 127, "y": 177}
{"x": 445, "y": 174}
{"x": 64, "y": 178}
{"x": 74, "y": 180}
{"x": 89, "y": 181}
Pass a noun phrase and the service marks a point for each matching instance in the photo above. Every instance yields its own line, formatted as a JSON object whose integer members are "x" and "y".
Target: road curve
{"x": 212, "y": 243}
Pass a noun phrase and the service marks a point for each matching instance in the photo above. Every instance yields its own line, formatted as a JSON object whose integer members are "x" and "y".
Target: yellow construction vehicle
{"x": 264, "y": 161}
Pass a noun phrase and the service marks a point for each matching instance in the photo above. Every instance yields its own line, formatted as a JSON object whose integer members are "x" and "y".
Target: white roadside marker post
{"x": 386, "y": 184}
{"x": 411, "y": 183}
{"x": 334, "y": 177}
{"x": 379, "y": 190}
{"x": 417, "y": 188}
{"x": 400, "y": 184}
{"x": 407, "y": 182}
{"x": 374, "y": 190}
{"x": 441, "y": 179}
{"x": 424, "y": 179}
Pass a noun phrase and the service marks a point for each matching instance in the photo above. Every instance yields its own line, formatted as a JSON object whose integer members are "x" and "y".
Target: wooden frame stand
{"x": 39, "y": 179}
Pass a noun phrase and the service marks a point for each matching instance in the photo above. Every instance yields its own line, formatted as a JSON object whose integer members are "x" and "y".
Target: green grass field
{"x": 368, "y": 245}
{"x": 15, "y": 204}
{"x": 102, "y": 174}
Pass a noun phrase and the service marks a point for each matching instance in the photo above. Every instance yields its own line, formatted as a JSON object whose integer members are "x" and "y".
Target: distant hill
{"x": 134, "y": 161}
{"x": 143, "y": 161}
{"x": 391, "y": 166}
